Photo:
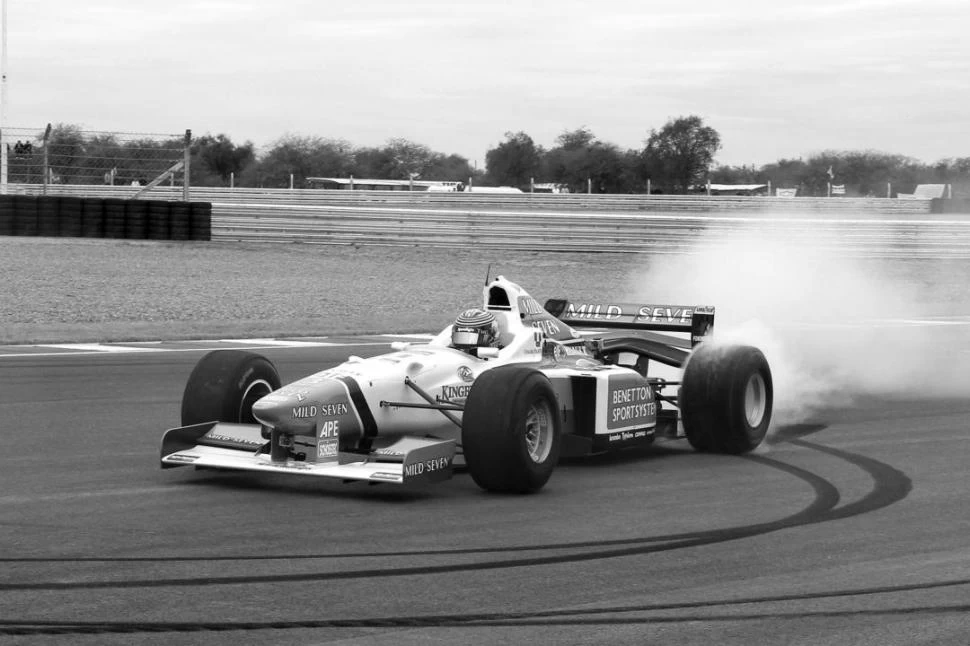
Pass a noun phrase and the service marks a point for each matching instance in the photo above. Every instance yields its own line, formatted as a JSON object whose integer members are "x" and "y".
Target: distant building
{"x": 363, "y": 184}
{"x": 550, "y": 187}
{"x": 731, "y": 189}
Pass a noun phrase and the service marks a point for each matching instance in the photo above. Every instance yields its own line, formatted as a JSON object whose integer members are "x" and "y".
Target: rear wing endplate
{"x": 698, "y": 320}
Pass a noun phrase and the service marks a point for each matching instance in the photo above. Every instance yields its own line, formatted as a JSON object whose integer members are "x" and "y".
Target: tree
{"x": 302, "y": 157}
{"x": 680, "y": 154}
{"x": 581, "y": 161}
{"x": 65, "y": 147}
{"x": 514, "y": 162}
{"x": 216, "y": 159}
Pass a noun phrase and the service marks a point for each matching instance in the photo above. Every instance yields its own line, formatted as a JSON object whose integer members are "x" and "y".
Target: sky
{"x": 778, "y": 79}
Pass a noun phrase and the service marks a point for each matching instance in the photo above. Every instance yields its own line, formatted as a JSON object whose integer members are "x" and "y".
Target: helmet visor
{"x": 465, "y": 337}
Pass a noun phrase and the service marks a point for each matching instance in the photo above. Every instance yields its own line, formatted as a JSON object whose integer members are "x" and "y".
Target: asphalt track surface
{"x": 850, "y": 527}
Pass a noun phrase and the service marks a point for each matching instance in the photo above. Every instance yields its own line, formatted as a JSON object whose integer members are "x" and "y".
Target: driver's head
{"x": 474, "y": 328}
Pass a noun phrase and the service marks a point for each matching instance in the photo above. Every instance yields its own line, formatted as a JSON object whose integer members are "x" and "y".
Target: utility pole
{"x": 3, "y": 99}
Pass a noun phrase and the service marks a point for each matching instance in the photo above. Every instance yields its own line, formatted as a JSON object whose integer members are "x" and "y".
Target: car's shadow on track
{"x": 310, "y": 488}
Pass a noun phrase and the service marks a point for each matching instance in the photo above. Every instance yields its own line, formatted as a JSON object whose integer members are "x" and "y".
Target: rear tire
{"x": 225, "y": 384}
{"x": 726, "y": 398}
{"x": 511, "y": 430}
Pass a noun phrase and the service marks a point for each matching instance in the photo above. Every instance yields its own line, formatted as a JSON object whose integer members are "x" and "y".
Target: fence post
{"x": 47, "y": 168}
{"x": 648, "y": 186}
{"x": 589, "y": 186}
{"x": 186, "y": 155}
{"x": 769, "y": 188}
{"x": 889, "y": 189}
{"x": 232, "y": 179}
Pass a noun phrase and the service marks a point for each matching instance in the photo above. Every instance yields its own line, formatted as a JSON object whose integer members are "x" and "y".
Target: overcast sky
{"x": 776, "y": 78}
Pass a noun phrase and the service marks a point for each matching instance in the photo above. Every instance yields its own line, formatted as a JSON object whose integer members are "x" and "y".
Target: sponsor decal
{"x": 529, "y": 305}
{"x": 330, "y": 428}
{"x": 179, "y": 457}
{"x": 428, "y": 466}
{"x": 382, "y": 475}
{"x": 465, "y": 373}
{"x": 664, "y": 314}
{"x": 327, "y": 448}
{"x": 455, "y": 392}
{"x": 627, "y": 435}
{"x": 301, "y": 396}
{"x": 548, "y": 326}
{"x": 333, "y": 410}
{"x": 630, "y": 402}
{"x": 593, "y": 312}
{"x": 299, "y": 466}
{"x": 389, "y": 452}
{"x": 304, "y": 412}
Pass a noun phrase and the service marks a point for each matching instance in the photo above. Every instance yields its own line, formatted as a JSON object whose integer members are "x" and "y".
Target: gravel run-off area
{"x": 57, "y": 290}
{"x": 77, "y": 290}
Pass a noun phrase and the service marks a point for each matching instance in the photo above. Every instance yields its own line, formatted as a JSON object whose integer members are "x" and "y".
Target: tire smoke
{"x": 832, "y": 326}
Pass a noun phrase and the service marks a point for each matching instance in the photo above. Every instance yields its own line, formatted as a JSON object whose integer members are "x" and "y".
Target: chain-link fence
{"x": 66, "y": 155}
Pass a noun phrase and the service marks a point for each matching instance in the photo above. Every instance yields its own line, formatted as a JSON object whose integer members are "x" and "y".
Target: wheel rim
{"x": 755, "y": 400}
{"x": 254, "y": 392}
{"x": 539, "y": 431}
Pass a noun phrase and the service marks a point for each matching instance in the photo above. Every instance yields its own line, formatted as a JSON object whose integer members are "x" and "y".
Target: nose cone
{"x": 308, "y": 409}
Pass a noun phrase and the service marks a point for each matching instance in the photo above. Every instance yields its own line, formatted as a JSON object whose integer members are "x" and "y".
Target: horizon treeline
{"x": 675, "y": 159}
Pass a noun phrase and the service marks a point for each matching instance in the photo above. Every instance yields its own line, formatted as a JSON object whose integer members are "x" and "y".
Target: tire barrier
{"x": 92, "y": 218}
{"x": 7, "y": 215}
{"x": 158, "y": 216}
{"x": 69, "y": 216}
{"x": 25, "y": 215}
{"x": 136, "y": 220}
{"x": 200, "y": 220}
{"x": 99, "y": 217}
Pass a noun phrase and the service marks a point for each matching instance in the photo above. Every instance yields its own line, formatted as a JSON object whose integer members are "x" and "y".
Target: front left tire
{"x": 225, "y": 384}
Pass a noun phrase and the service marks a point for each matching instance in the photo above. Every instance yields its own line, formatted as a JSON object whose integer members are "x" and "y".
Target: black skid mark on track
{"x": 891, "y": 485}
{"x": 584, "y": 616}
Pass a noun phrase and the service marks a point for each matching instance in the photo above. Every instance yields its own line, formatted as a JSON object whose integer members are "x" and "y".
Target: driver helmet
{"x": 474, "y": 328}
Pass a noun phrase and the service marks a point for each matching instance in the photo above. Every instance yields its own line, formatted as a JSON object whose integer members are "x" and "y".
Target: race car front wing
{"x": 222, "y": 445}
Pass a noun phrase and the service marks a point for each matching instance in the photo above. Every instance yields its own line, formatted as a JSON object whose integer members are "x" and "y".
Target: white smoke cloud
{"x": 833, "y": 327}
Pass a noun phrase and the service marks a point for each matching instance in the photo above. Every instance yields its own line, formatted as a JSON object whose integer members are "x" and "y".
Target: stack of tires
{"x": 95, "y": 217}
{"x": 48, "y": 208}
{"x": 92, "y": 217}
{"x": 69, "y": 216}
{"x": 200, "y": 220}
{"x": 114, "y": 217}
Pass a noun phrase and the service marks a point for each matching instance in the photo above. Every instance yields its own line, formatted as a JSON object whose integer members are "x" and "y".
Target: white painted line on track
{"x": 409, "y": 336}
{"x": 283, "y": 343}
{"x": 98, "y": 347}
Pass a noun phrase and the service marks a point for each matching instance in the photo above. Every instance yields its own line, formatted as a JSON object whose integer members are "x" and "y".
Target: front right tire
{"x": 511, "y": 430}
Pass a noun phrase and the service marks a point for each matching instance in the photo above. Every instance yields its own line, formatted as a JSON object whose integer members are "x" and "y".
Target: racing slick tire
{"x": 725, "y": 398}
{"x": 225, "y": 384}
{"x": 511, "y": 430}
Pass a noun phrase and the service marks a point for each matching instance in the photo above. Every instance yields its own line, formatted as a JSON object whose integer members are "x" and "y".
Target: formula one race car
{"x": 509, "y": 402}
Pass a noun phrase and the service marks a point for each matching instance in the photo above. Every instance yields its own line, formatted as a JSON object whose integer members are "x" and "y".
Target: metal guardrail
{"x": 600, "y": 223}
{"x": 492, "y": 201}
{"x": 868, "y": 234}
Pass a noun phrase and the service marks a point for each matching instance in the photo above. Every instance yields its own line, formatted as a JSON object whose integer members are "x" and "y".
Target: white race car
{"x": 564, "y": 379}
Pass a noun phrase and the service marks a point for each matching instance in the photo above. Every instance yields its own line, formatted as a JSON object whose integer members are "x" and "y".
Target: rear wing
{"x": 698, "y": 320}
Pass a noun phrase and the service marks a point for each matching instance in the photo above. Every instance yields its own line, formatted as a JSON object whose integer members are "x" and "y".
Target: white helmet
{"x": 474, "y": 328}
